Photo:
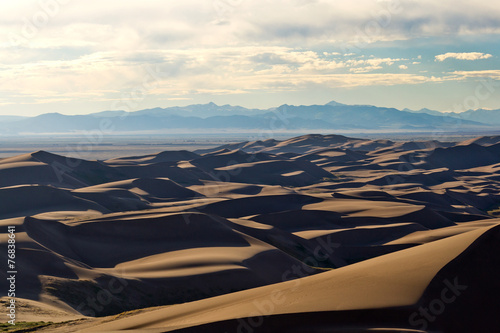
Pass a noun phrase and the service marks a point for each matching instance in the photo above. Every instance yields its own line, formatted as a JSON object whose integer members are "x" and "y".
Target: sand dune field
{"x": 311, "y": 234}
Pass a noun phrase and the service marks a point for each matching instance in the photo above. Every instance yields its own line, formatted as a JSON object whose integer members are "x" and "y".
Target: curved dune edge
{"x": 393, "y": 280}
{"x": 180, "y": 227}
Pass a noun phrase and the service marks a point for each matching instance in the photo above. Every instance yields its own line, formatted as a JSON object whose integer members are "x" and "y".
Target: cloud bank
{"x": 76, "y": 52}
{"x": 463, "y": 56}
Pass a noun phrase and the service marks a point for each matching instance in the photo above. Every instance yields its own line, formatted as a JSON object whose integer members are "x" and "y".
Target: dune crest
{"x": 310, "y": 234}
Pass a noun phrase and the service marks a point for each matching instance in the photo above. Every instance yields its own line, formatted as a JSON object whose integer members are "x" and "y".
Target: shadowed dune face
{"x": 315, "y": 233}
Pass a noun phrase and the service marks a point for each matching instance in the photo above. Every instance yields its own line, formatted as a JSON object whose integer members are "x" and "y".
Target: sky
{"x": 80, "y": 57}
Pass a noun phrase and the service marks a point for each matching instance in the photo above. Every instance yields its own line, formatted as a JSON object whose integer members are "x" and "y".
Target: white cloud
{"x": 371, "y": 64}
{"x": 463, "y": 56}
{"x": 237, "y": 69}
{"x": 403, "y": 67}
{"x": 491, "y": 74}
{"x": 106, "y": 76}
{"x": 373, "y": 79}
{"x": 288, "y": 22}
{"x": 99, "y": 49}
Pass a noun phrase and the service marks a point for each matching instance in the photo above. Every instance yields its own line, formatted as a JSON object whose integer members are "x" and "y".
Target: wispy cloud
{"x": 490, "y": 73}
{"x": 102, "y": 48}
{"x": 463, "y": 56}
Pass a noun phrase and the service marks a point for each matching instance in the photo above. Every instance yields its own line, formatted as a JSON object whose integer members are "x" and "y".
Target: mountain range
{"x": 480, "y": 115}
{"x": 212, "y": 117}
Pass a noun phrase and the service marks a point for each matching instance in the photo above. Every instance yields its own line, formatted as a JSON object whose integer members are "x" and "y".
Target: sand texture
{"x": 311, "y": 234}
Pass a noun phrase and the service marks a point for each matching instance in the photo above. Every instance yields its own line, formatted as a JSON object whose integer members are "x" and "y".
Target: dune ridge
{"x": 311, "y": 234}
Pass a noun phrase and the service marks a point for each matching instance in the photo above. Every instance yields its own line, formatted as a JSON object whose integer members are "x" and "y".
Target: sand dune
{"x": 38, "y": 199}
{"x": 482, "y": 140}
{"x": 346, "y": 289}
{"x": 453, "y": 157}
{"x": 166, "y": 156}
{"x": 311, "y": 234}
{"x": 153, "y": 189}
{"x": 222, "y": 158}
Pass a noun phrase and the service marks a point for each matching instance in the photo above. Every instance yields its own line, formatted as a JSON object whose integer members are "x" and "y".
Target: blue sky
{"x": 77, "y": 57}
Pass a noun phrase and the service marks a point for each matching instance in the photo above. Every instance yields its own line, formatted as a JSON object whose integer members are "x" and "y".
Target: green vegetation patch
{"x": 24, "y": 326}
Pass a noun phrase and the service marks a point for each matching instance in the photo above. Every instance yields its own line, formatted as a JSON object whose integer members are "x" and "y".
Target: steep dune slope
{"x": 310, "y": 234}
{"x": 347, "y": 289}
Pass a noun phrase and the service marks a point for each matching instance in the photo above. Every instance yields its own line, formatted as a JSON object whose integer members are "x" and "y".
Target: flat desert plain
{"x": 310, "y": 234}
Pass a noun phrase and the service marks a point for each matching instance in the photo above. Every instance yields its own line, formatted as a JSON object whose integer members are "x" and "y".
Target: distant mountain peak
{"x": 51, "y": 115}
{"x": 333, "y": 103}
{"x": 110, "y": 114}
{"x": 425, "y": 110}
